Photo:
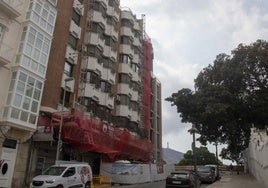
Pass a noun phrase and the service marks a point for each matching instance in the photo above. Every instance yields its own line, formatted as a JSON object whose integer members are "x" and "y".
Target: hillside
{"x": 172, "y": 156}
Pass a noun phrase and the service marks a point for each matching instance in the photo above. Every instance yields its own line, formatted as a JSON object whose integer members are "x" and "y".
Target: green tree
{"x": 203, "y": 157}
{"x": 230, "y": 97}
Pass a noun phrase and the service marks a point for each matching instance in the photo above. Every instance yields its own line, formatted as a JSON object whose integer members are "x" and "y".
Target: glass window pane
{"x": 49, "y": 28}
{"x": 34, "y": 106}
{"x": 26, "y": 103}
{"x": 20, "y": 87}
{"x": 45, "y": 48}
{"x": 6, "y": 110}
{"x": 14, "y": 74}
{"x": 31, "y": 81}
{"x": 34, "y": 65}
{"x": 11, "y": 86}
{"x": 29, "y": 91}
{"x": 24, "y": 116}
{"x": 33, "y": 31}
{"x": 38, "y": 43}
{"x": 37, "y": 7}
{"x": 9, "y": 97}
{"x": 37, "y": 93}
{"x": 44, "y": 14}
{"x": 41, "y": 69}
{"x": 26, "y": 61}
{"x": 38, "y": 84}
{"x": 43, "y": 23}
{"x": 36, "y": 54}
{"x": 51, "y": 19}
{"x": 40, "y": 36}
{"x": 31, "y": 38}
{"x": 35, "y": 17}
{"x": 32, "y": 119}
{"x": 23, "y": 77}
{"x": 17, "y": 100}
{"x": 15, "y": 113}
{"x": 43, "y": 59}
{"x": 28, "y": 49}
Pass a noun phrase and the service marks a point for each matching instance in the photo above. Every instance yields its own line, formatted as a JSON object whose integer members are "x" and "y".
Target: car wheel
{"x": 59, "y": 186}
{"x": 87, "y": 185}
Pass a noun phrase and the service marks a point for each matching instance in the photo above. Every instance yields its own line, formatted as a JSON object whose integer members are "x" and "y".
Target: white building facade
{"x": 256, "y": 161}
{"x": 26, "y": 30}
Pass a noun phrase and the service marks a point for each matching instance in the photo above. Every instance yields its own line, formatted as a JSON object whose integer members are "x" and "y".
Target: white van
{"x": 63, "y": 176}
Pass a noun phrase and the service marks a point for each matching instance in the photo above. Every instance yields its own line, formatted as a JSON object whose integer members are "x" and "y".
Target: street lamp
{"x": 193, "y": 130}
{"x": 61, "y": 117}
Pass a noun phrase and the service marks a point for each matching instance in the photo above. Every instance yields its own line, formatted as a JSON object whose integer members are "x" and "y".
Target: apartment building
{"x": 76, "y": 85}
{"x": 26, "y": 30}
{"x": 156, "y": 120}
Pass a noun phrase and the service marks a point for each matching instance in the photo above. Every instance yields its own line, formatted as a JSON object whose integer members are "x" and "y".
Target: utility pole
{"x": 61, "y": 118}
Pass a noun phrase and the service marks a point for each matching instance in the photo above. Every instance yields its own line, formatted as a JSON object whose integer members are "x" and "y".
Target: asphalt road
{"x": 158, "y": 184}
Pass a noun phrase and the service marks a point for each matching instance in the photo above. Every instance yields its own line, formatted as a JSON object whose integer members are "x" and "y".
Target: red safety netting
{"x": 91, "y": 134}
{"x": 146, "y": 82}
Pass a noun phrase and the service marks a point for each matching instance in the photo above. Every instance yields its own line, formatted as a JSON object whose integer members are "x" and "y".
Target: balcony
{"x": 123, "y": 110}
{"x": 71, "y": 55}
{"x": 126, "y": 49}
{"x": 8, "y": 9}
{"x": 97, "y": 17}
{"x": 75, "y": 29}
{"x": 106, "y": 100}
{"x": 7, "y": 54}
{"x": 106, "y": 74}
{"x": 78, "y": 7}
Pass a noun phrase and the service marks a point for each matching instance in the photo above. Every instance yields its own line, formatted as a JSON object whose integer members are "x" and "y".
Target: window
{"x": 126, "y": 40}
{"x": 98, "y": 6}
{"x": 93, "y": 78}
{"x": 35, "y": 51}
{"x": 135, "y": 67}
{"x": 105, "y": 87}
{"x": 68, "y": 69}
{"x": 94, "y": 51}
{"x": 76, "y": 17}
{"x": 69, "y": 172}
{"x": 26, "y": 97}
{"x": 42, "y": 14}
{"x": 97, "y": 28}
{"x": 112, "y": 21}
{"x": 2, "y": 29}
{"x": 72, "y": 41}
{"x": 67, "y": 97}
{"x": 135, "y": 86}
{"x": 124, "y": 99}
{"x": 108, "y": 63}
{"x": 124, "y": 58}
{"x": 124, "y": 78}
{"x": 126, "y": 23}
{"x": 134, "y": 105}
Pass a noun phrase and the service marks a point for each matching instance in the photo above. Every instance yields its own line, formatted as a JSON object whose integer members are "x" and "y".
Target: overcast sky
{"x": 187, "y": 35}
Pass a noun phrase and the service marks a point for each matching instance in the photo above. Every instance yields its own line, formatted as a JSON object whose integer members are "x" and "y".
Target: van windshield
{"x": 55, "y": 170}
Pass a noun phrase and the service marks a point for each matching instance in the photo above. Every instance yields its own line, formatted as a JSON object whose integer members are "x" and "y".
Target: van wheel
{"x": 59, "y": 186}
{"x": 87, "y": 185}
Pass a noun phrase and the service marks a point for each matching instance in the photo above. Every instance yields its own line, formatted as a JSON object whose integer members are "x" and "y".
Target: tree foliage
{"x": 203, "y": 157}
{"x": 230, "y": 97}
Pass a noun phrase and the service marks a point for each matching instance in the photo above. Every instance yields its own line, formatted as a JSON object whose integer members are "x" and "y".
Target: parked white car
{"x": 63, "y": 176}
{"x": 215, "y": 168}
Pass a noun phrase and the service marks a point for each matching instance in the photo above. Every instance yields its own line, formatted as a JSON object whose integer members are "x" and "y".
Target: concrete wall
{"x": 256, "y": 160}
{"x": 149, "y": 173}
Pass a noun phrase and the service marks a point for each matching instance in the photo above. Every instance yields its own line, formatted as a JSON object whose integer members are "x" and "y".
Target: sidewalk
{"x": 234, "y": 180}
